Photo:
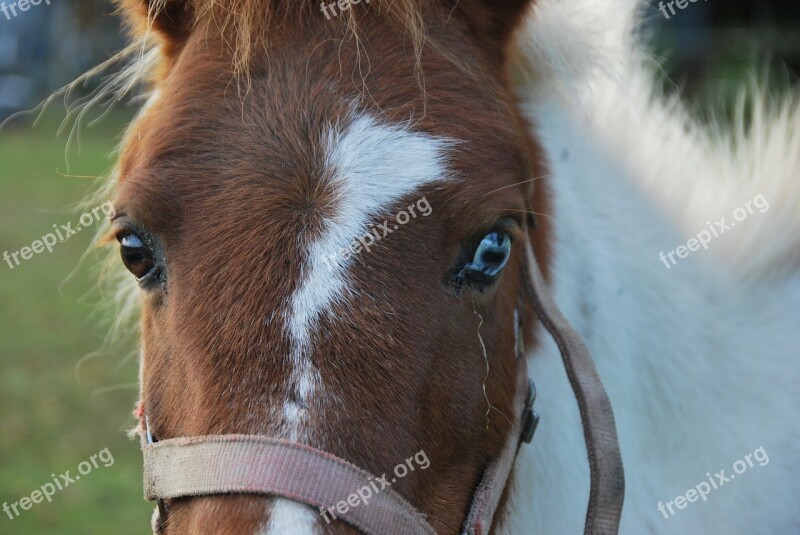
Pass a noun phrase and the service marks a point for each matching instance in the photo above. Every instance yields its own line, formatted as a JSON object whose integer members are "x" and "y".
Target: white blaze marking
{"x": 291, "y": 518}
{"x": 373, "y": 166}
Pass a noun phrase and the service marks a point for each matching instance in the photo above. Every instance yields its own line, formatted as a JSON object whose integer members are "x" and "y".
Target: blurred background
{"x": 64, "y": 396}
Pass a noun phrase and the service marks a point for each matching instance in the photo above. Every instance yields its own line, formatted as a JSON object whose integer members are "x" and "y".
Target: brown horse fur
{"x": 231, "y": 186}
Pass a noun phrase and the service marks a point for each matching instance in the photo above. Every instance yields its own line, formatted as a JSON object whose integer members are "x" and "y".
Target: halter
{"x": 253, "y": 464}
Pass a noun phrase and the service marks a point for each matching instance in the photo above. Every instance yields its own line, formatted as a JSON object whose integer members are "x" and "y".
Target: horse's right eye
{"x": 137, "y": 257}
{"x": 489, "y": 258}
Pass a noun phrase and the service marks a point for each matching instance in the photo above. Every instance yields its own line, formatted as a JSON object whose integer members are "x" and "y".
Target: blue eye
{"x": 491, "y": 256}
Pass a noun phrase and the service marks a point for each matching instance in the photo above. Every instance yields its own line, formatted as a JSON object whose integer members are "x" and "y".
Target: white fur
{"x": 291, "y": 518}
{"x": 373, "y": 166}
{"x": 584, "y": 56}
{"x": 700, "y": 360}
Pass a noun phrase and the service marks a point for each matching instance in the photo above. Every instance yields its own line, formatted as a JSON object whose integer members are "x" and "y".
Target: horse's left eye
{"x": 490, "y": 257}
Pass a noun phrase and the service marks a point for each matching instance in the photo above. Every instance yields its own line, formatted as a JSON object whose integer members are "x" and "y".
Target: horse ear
{"x": 171, "y": 19}
{"x": 498, "y": 18}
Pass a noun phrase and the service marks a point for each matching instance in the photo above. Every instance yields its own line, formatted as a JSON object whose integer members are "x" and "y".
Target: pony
{"x": 258, "y": 197}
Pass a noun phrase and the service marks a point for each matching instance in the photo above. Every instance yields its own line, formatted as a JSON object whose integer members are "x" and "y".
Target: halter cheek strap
{"x": 607, "y": 487}
{"x": 248, "y": 464}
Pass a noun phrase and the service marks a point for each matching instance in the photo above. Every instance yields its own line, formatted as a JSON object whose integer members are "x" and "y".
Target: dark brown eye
{"x": 136, "y": 256}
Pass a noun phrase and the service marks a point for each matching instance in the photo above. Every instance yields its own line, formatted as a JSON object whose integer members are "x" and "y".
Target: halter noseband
{"x": 253, "y": 464}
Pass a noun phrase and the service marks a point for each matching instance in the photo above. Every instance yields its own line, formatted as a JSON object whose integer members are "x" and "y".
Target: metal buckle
{"x": 530, "y": 418}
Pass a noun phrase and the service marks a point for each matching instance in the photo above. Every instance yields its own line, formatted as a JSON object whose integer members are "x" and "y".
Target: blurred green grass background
{"x": 58, "y": 407}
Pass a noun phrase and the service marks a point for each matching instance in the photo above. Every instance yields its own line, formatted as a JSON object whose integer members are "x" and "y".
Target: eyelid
{"x": 123, "y": 225}
{"x": 510, "y": 226}
{"x": 111, "y": 236}
{"x": 119, "y": 214}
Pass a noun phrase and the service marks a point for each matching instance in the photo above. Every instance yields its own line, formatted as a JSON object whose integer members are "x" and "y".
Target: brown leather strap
{"x": 248, "y": 464}
{"x": 607, "y": 489}
{"x": 495, "y": 477}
